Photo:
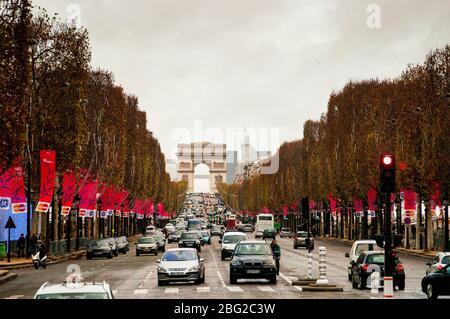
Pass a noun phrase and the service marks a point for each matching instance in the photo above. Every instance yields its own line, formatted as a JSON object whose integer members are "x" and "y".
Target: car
{"x": 169, "y": 228}
{"x": 300, "y": 240}
{"x": 229, "y": 242}
{"x": 161, "y": 240}
{"x": 269, "y": 233}
{"x": 374, "y": 260}
{"x": 114, "y": 247}
{"x": 358, "y": 247}
{"x": 286, "y": 232}
{"x": 75, "y": 290}
{"x": 216, "y": 231}
{"x": 99, "y": 248}
{"x": 127, "y": 244}
{"x": 206, "y": 237}
{"x": 190, "y": 239}
{"x": 441, "y": 260}
{"x": 147, "y": 245}
{"x": 248, "y": 228}
{"x": 437, "y": 283}
{"x": 175, "y": 237}
{"x": 121, "y": 245}
{"x": 240, "y": 228}
{"x": 181, "y": 264}
{"x": 253, "y": 259}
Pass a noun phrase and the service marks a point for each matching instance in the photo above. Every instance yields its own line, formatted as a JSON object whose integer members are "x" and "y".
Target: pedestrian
{"x": 276, "y": 250}
{"x": 33, "y": 242}
{"x": 21, "y": 246}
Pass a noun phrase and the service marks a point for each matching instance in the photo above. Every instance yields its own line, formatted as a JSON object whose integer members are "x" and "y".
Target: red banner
{"x": 48, "y": 174}
{"x": 409, "y": 198}
{"x": 18, "y": 197}
{"x": 88, "y": 194}
{"x": 312, "y": 204}
{"x": 6, "y": 188}
{"x": 285, "y": 211}
{"x": 358, "y": 205}
{"x": 371, "y": 198}
{"x": 69, "y": 188}
{"x": 435, "y": 197}
{"x": 332, "y": 205}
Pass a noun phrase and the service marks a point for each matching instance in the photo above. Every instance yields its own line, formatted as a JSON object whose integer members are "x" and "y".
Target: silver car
{"x": 147, "y": 245}
{"x": 441, "y": 260}
{"x": 181, "y": 265}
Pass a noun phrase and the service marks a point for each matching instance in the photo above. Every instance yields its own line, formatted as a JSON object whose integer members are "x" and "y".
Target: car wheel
{"x": 273, "y": 279}
{"x": 295, "y": 247}
{"x": 161, "y": 283}
{"x": 349, "y": 277}
{"x": 203, "y": 279}
{"x": 223, "y": 256}
{"x": 431, "y": 294}
{"x": 401, "y": 285}
{"x": 156, "y": 253}
{"x": 233, "y": 280}
{"x": 116, "y": 253}
{"x": 110, "y": 256}
{"x": 36, "y": 265}
{"x": 199, "y": 249}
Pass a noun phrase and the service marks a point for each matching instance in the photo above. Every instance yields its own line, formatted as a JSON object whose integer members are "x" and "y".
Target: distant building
{"x": 232, "y": 163}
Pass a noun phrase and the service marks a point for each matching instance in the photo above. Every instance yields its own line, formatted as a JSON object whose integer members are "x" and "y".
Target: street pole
{"x": 77, "y": 235}
{"x": 388, "y": 260}
{"x": 69, "y": 230}
{"x": 28, "y": 249}
{"x": 446, "y": 243}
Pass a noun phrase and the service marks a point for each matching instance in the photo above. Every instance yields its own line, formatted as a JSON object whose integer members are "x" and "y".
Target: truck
{"x": 231, "y": 222}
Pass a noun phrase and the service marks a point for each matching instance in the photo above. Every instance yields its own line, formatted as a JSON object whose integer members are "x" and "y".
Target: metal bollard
{"x": 375, "y": 281}
{"x": 322, "y": 267}
{"x": 388, "y": 287}
{"x": 310, "y": 260}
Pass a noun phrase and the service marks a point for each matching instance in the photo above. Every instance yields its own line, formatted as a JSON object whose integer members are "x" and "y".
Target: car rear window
{"x": 360, "y": 248}
{"x": 446, "y": 260}
{"x": 375, "y": 259}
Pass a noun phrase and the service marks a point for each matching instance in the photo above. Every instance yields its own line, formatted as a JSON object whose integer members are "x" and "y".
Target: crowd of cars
{"x": 108, "y": 247}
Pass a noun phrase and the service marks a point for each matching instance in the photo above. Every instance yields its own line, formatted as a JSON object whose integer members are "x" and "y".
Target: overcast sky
{"x": 250, "y": 63}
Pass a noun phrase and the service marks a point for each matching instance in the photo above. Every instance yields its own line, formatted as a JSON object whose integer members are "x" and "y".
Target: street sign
{"x": 10, "y": 223}
{"x": 407, "y": 221}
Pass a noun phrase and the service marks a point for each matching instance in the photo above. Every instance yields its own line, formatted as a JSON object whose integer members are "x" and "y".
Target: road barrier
{"x": 322, "y": 267}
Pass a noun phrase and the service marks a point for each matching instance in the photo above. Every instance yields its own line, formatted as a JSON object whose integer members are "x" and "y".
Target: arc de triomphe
{"x": 212, "y": 155}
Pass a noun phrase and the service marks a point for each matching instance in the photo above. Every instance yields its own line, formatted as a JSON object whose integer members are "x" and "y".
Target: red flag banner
{"x": 312, "y": 204}
{"x": 285, "y": 211}
{"x": 409, "y": 198}
{"x": 358, "y": 205}
{"x": 332, "y": 204}
{"x": 48, "y": 174}
{"x": 69, "y": 188}
{"x": 435, "y": 198}
{"x": 6, "y": 180}
{"x": 18, "y": 197}
{"x": 88, "y": 194}
{"x": 371, "y": 198}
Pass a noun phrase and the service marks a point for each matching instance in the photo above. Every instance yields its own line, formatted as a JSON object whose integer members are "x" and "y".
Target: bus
{"x": 263, "y": 221}
{"x": 231, "y": 222}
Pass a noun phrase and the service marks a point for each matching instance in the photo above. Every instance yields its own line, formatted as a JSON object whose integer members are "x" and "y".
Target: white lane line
{"x": 266, "y": 289}
{"x": 172, "y": 290}
{"x": 140, "y": 291}
{"x": 15, "y": 297}
{"x": 221, "y": 278}
{"x": 289, "y": 281}
{"x": 235, "y": 289}
{"x": 203, "y": 289}
{"x": 114, "y": 292}
{"x": 298, "y": 288}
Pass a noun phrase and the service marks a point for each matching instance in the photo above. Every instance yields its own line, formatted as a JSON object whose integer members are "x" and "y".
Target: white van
{"x": 359, "y": 246}
{"x": 263, "y": 222}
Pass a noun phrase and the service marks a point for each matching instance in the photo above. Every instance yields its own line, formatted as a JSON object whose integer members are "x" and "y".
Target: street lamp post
{"x": 77, "y": 234}
{"x": 59, "y": 193}
{"x": 446, "y": 240}
{"x": 99, "y": 210}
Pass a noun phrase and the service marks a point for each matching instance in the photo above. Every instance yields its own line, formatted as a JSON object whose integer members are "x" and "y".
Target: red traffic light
{"x": 387, "y": 160}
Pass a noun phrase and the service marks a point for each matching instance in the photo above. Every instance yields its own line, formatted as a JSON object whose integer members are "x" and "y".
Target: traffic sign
{"x": 407, "y": 221}
{"x": 10, "y": 223}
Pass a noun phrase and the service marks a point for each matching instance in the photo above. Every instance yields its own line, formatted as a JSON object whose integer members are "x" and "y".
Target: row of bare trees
{"x": 51, "y": 98}
{"x": 339, "y": 154}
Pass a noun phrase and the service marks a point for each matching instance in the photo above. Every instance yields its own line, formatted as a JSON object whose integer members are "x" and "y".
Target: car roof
{"x": 234, "y": 233}
{"x": 83, "y": 287}
{"x": 365, "y": 241}
{"x": 372, "y": 252}
{"x": 180, "y": 249}
{"x": 252, "y": 242}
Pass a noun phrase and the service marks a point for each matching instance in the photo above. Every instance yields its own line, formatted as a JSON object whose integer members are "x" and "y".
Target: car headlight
{"x": 236, "y": 263}
{"x": 197, "y": 241}
{"x": 180, "y": 242}
{"x": 162, "y": 269}
{"x": 269, "y": 264}
{"x": 194, "y": 268}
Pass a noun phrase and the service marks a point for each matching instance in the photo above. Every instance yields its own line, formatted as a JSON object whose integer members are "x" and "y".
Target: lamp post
{"x": 99, "y": 210}
{"x": 59, "y": 194}
{"x": 77, "y": 233}
{"x": 446, "y": 240}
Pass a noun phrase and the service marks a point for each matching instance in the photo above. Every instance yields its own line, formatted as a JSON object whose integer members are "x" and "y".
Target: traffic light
{"x": 387, "y": 173}
{"x": 305, "y": 207}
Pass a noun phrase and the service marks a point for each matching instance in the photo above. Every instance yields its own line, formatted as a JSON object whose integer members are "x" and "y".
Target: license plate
{"x": 189, "y": 245}
{"x": 99, "y": 253}
{"x": 253, "y": 271}
{"x": 177, "y": 273}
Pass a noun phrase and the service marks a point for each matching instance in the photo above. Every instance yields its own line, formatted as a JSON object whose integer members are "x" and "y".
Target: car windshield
{"x": 233, "y": 239}
{"x": 253, "y": 249}
{"x": 99, "y": 243}
{"x": 446, "y": 260}
{"x": 189, "y": 236}
{"x": 302, "y": 234}
{"x": 362, "y": 248}
{"x": 286, "y": 229}
{"x": 75, "y": 295}
{"x": 375, "y": 259}
{"x": 269, "y": 230}
{"x": 180, "y": 255}
{"x": 148, "y": 240}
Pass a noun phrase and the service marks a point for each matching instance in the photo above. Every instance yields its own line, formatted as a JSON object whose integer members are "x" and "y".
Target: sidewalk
{"x": 18, "y": 263}
{"x": 413, "y": 252}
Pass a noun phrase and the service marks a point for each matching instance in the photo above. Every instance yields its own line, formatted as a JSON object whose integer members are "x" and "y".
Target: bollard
{"x": 388, "y": 287}
{"x": 322, "y": 267}
{"x": 375, "y": 280}
{"x": 310, "y": 260}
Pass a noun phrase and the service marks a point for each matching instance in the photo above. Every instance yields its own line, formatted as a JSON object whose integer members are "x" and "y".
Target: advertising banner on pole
{"x": 48, "y": 174}
{"x": 69, "y": 188}
{"x": 6, "y": 180}
{"x": 18, "y": 197}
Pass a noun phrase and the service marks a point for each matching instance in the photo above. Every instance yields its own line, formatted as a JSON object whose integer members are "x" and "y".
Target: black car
{"x": 190, "y": 239}
{"x": 374, "y": 260}
{"x": 269, "y": 233}
{"x": 175, "y": 237}
{"x": 99, "y": 248}
{"x": 253, "y": 259}
{"x": 437, "y": 283}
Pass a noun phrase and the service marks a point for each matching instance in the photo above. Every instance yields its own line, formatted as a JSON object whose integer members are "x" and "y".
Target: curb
{"x": 53, "y": 261}
{"x": 7, "y": 277}
{"x": 318, "y": 288}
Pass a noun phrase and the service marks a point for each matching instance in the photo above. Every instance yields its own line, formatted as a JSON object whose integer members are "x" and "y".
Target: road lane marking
{"x": 172, "y": 290}
{"x": 140, "y": 291}
{"x": 235, "y": 289}
{"x": 298, "y": 288}
{"x": 114, "y": 292}
{"x": 15, "y": 297}
{"x": 266, "y": 289}
{"x": 289, "y": 281}
{"x": 221, "y": 278}
{"x": 203, "y": 289}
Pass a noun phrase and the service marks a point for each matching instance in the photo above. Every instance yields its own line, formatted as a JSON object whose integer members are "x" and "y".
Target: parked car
{"x": 253, "y": 259}
{"x": 269, "y": 233}
{"x": 374, "y": 260}
{"x": 78, "y": 290}
{"x": 286, "y": 232}
{"x": 229, "y": 242}
{"x": 121, "y": 245}
{"x": 248, "y": 228}
{"x": 114, "y": 247}
{"x": 439, "y": 262}
{"x": 358, "y": 247}
{"x": 300, "y": 240}
{"x": 190, "y": 239}
{"x": 127, "y": 244}
{"x": 175, "y": 237}
{"x": 161, "y": 240}
{"x": 206, "y": 237}
{"x": 147, "y": 245}
{"x": 181, "y": 264}
{"x": 99, "y": 248}
{"x": 437, "y": 283}
{"x": 240, "y": 228}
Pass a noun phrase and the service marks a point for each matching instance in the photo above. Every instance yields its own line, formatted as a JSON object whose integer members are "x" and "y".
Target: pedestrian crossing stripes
{"x": 172, "y": 290}
{"x": 234, "y": 289}
{"x": 266, "y": 289}
{"x": 140, "y": 291}
{"x": 298, "y": 288}
{"x": 203, "y": 289}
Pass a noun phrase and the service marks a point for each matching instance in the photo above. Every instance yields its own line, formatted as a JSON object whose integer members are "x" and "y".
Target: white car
{"x": 75, "y": 290}
{"x": 150, "y": 229}
{"x": 181, "y": 264}
{"x": 441, "y": 260}
{"x": 359, "y": 246}
{"x": 229, "y": 241}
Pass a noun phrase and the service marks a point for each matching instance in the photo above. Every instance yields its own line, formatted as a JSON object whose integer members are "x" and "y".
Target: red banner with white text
{"x": 48, "y": 174}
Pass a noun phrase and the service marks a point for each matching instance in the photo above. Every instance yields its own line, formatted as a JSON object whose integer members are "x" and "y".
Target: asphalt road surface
{"x": 133, "y": 277}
